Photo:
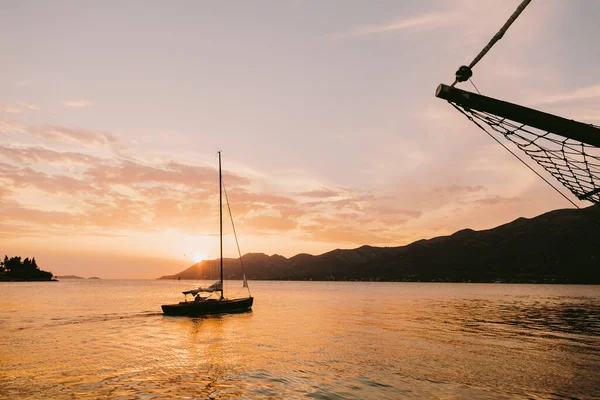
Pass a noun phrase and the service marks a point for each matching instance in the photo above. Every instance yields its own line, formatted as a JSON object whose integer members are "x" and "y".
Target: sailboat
{"x": 203, "y": 304}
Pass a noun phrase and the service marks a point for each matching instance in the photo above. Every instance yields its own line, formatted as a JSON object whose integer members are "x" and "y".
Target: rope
{"x": 470, "y": 80}
{"x": 592, "y": 219}
{"x": 234, "y": 232}
{"x": 495, "y": 39}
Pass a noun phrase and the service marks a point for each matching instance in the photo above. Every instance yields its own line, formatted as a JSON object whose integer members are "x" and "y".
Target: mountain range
{"x": 560, "y": 246}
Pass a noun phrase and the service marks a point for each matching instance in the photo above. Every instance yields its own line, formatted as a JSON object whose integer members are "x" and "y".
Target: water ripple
{"x": 315, "y": 340}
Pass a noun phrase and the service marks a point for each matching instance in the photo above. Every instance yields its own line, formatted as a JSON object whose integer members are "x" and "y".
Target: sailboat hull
{"x": 196, "y": 309}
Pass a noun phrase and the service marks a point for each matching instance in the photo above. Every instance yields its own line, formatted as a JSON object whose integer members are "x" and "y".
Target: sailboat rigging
{"x": 207, "y": 305}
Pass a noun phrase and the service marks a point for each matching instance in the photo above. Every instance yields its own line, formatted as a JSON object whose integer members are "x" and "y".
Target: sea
{"x": 108, "y": 339}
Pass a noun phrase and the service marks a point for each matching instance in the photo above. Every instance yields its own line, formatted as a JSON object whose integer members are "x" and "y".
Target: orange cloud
{"x": 127, "y": 172}
{"x": 323, "y": 193}
{"x": 28, "y": 155}
{"x": 10, "y": 109}
{"x": 13, "y": 231}
{"x": 241, "y": 196}
{"x": 27, "y": 177}
{"x": 114, "y": 196}
{"x": 47, "y": 218}
{"x": 393, "y": 211}
{"x": 7, "y": 126}
{"x": 270, "y": 223}
{"x": 496, "y": 199}
{"x": 5, "y": 192}
{"x": 346, "y": 234}
{"x": 78, "y": 135}
{"x": 28, "y": 106}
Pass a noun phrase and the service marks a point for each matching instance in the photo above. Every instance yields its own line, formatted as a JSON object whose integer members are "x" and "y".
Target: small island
{"x": 66, "y": 277}
{"x": 69, "y": 277}
{"x": 14, "y": 270}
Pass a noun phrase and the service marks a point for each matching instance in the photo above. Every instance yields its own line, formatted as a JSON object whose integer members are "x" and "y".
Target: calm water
{"x": 98, "y": 339}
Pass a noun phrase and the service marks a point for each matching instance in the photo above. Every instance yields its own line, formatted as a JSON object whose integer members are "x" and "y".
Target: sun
{"x": 197, "y": 257}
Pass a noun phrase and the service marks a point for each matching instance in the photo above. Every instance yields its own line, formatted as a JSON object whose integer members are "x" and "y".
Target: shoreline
{"x": 27, "y": 280}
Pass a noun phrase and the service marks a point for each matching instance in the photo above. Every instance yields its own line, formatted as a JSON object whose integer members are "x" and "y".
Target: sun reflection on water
{"x": 302, "y": 339}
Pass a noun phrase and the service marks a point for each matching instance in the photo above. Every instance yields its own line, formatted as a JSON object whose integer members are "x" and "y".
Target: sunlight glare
{"x": 197, "y": 257}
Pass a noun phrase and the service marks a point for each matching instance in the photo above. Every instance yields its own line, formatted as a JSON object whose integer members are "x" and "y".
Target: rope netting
{"x": 568, "y": 150}
{"x": 576, "y": 165}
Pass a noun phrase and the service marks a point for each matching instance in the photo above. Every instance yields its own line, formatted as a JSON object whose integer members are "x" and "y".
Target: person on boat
{"x": 197, "y": 298}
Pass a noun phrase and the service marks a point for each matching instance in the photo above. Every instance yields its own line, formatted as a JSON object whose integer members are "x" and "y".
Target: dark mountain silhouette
{"x": 561, "y": 246}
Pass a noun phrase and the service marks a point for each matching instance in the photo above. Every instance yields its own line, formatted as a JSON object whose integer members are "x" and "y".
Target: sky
{"x": 112, "y": 113}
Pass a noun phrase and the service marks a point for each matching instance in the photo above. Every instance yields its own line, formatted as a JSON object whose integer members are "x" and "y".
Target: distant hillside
{"x": 561, "y": 246}
{"x": 69, "y": 277}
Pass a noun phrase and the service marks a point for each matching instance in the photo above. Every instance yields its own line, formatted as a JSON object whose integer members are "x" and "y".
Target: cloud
{"x": 393, "y": 211}
{"x": 421, "y": 202}
{"x": 46, "y": 218}
{"x": 185, "y": 214}
{"x": 10, "y": 109}
{"x": 425, "y": 21}
{"x": 66, "y": 135}
{"x": 113, "y": 196}
{"x": 131, "y": 173}
{"x": 63, "y": 134}
{"x": 5, "y": 192}
{"x": 345, "y": 234}
{"x": 72, "y": 193}
{"x": 19, "y": 221}
{"x": 496, "y": 199}
{"x": 581, "y": 94}
{"x": 12, "y": 231}
{"x": 28, "y": 155}
{"x": 77, "y": 103}
{"x": 8, "y": 126}
{"x": 251, "y": 207}
{"x": 242, "y": 196}
{"x": 457, "y": 189}
{"x": 322, "y": 193}
{"x": 7, "y": 167}
{"x": 117, "y": 212}
{"x": 357, "y": 218}
{"x": 28, "y": 106}
{"x": 19, "y": 108}
{"x": 271, "y": 223}
{"x": 29, "y": 178}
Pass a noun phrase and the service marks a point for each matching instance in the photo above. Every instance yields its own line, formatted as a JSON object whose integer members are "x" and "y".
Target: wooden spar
{"x": 575, "y": 130}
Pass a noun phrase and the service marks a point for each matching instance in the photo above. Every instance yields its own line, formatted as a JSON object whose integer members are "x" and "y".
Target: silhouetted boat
{"x": 207, "y": 305}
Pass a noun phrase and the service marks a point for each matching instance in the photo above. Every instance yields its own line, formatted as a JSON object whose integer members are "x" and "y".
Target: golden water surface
{"x": 108, "y": 339}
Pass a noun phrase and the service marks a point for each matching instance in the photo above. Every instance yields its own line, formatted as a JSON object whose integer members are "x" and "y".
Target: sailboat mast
{"x": 221, "y": 221}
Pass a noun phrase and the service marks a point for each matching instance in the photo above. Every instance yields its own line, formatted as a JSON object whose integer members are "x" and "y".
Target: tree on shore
{"x": 26, "y": 270}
